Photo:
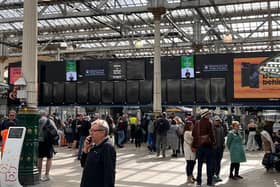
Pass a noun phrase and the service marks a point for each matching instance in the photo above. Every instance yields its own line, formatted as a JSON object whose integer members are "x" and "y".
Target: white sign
{"x": 9, "y": 164}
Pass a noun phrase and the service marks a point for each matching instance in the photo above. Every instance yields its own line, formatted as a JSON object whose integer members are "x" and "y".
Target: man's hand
{"x": 87, "y": 143}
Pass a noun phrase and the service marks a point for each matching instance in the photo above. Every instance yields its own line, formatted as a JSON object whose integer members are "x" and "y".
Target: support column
{"x": 28, "y": 116}
{"x": 157, "y": 106}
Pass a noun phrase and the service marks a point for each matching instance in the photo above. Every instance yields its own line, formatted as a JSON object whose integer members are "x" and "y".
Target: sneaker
{"x": 45, "y": 178}
{"x": 238, "y": 177}
{"x": 218, "y": 179}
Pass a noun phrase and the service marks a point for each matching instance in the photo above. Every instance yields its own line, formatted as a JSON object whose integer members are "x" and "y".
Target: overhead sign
{"x": 250, "y": 82}
{"x": 117, "y": 70}
{"x": 215, "y": 67}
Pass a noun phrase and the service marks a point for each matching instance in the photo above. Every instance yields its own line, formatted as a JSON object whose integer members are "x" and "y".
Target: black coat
{"x": 99, "y": 166}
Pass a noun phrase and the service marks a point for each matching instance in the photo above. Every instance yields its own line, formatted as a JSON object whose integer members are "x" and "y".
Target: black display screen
{"x": 15, "y": 132}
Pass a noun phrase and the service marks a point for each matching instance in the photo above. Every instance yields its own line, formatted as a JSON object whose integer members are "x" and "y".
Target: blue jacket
{"x": 99, "y": 166}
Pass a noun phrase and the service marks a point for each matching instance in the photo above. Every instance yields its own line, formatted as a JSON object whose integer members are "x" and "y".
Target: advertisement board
{"x": 14, "y": 74}
{"x": 253, "y": 78}
{"x": 187, "y": 67}
{"x": 71, "y": 70}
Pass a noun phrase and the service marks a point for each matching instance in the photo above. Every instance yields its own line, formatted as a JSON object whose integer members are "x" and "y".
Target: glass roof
{"x": 116, "y": 24}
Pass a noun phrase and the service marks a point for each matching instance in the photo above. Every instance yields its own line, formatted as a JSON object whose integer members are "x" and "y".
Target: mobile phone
{"x": 89, "y": 140}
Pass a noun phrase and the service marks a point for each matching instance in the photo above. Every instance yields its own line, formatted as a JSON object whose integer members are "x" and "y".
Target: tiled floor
{"x": 138, "y": 168}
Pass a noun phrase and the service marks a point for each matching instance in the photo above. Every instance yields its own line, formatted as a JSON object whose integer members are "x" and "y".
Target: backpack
{"x": 50, "y": 134}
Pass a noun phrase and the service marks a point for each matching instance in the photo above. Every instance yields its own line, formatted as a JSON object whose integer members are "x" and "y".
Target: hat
{"x": 217, "y": 118}
{"x": 204, "y": 112}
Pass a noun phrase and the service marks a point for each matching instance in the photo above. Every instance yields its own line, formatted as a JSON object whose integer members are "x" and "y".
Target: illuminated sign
{"x": 14, "y": 74}
{"x": 187, "y": 66}
{"x": 71, "y": 70}
{"x": 251, "y": 82}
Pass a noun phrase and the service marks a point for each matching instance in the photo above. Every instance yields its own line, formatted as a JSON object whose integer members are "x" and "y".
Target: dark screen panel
{"x": 203, "y": 90}
{"x": 70, "y": 92}
{"x": 46, "y": 93}
{"x": 170, "y": 67}
{"x": 132, "y": 92}
{"x": 163, "y": 92}
{"x": 146, "y": 91}
{"x": 58, "y": 93}
{"x": 107, "y": 92}
{"x": 119, "y": 92}
{"x": 55, "y": 71}
{"x": 187, "y": 90}
{"x": 136, "y": 69}
{"x": 218, "y": 90}
{"x": 116, "y": 70}
{"x": 94, "y": 91}
{"x": 82, "y": 92}
{"x": 173, "y": 91}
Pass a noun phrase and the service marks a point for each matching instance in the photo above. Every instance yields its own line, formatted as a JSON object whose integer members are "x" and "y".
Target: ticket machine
{"x": 9, "y": 165}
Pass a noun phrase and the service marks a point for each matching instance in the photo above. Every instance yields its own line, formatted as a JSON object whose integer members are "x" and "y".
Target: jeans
{"x": 189, "y": 167}
{"x": 161, "y": 140}
{"x": 81, "y": 145}
{"x": 204, "y": 153}
{"x": 120, "y": 137}
{"x": 217, "y": 158}
{"x": 252, "y": 144}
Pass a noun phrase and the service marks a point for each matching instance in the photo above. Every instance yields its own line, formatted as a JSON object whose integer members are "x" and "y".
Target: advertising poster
{"x": 71, "y": 70}
{"x": 187, "y": 67}
{"x": 257, "y": 78}
{"x": 14, "y": 74}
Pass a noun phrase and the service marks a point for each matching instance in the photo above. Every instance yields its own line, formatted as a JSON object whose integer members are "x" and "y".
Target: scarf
{"x": 267, "y": 136}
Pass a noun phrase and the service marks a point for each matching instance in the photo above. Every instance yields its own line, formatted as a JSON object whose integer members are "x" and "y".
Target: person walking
{"x": 98, "y": 157}
{"x": 203, "y": 142}
{"x": 237, "y": 153}
{"x": 45, "y": 148}
{"x": 251, "y": 143}
{"x": 189, "y": 152}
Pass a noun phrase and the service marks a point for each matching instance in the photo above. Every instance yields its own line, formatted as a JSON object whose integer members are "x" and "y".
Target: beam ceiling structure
{"x": 109, "y": 28}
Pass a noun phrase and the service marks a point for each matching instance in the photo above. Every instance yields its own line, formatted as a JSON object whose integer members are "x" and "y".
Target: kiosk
{"x": 9, "y": 164}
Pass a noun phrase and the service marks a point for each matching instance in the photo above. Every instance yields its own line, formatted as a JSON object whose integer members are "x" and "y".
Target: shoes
{"x": 232, "y": 177}
{"x": 238, "y": 177}
{"x": 217, "y": 178}
{"x": 45, "y": 178}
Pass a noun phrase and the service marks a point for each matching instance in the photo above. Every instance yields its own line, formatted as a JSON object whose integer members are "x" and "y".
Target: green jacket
{"x": 235, "y": 147}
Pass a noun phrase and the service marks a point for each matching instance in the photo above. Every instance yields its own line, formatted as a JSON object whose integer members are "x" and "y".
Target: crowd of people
{"x": 200, "y": 140}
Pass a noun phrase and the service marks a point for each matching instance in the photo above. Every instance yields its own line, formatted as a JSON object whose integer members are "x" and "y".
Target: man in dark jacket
{"x": 203, "y": 140}
{"x": 98, "y": 158}
{"x": 161, "y": 128}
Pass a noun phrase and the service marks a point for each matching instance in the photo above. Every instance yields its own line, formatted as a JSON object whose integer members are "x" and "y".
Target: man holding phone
{"x": 98, "y": 157}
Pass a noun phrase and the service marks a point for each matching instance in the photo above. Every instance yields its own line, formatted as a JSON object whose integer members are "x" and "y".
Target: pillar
{"x": 28, "y": 116}
{"x": 157, "y": 106}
